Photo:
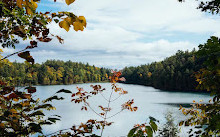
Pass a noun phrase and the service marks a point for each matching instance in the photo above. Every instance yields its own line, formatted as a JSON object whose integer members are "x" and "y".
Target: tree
{"x": 20, "y": 20}
{"x": 207, "y": 116}
{"x": 20, "y": 113}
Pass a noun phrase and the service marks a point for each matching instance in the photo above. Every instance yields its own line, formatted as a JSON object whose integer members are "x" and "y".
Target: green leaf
{"x": 37, "y": 113}
{"x": 153, "y": 125}
{"x": 149, "y": 131}
{"x": 53, "y": 119}
{"x": 56, "y": 20}
{"x": 35, "y": 127}
{"x": 53, "y": 98}
{"x": 43, "y": 106}
{"x": 64, "y": 91}
{"x": 131, "y": 132}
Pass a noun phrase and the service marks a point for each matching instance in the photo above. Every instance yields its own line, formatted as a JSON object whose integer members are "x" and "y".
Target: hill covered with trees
{"x": 53, "y": 72}
{"x": 173, "y": 73}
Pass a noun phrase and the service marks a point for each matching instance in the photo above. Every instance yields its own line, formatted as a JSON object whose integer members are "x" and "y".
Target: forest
{"x": 173, "y": 73}
{"x": 53, "y": 72}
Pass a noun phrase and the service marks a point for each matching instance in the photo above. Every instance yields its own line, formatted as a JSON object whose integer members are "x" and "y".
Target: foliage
{"x": 169, "y": 129}
{"x": 20, "y": 20}
{"x": 144, "y": 130}
{"x": 82, "y": 97}
{"x": 21, "y": 114}
{"x": 211, "y": 6}
{"x": 206, "y": 116}
{"x": 173, "y": 73}
{"x": 53, "y": 72}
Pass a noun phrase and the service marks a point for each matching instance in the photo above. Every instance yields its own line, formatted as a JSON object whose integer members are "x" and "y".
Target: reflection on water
{"x": 150, "y": 102}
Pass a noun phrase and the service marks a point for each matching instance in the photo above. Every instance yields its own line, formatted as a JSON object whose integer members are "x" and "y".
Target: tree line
{"x": 173, "y": 73}
{"x": 53, "y": 72}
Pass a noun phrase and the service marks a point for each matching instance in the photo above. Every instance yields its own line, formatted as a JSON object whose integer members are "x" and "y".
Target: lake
{"x": 150, "y": 102}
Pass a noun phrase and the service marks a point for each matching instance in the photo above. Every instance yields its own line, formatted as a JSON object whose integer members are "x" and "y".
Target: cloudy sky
{"x": 123, "y": 33}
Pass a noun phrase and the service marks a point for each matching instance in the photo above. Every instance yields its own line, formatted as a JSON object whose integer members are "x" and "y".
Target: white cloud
{"x": 127, "y": 32}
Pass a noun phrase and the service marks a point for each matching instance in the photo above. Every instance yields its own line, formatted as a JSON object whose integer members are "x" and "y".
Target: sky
{"x": 122, "y": 33}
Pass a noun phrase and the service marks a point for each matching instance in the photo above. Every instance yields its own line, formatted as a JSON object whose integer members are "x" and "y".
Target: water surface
{"x": 150, "y": 102}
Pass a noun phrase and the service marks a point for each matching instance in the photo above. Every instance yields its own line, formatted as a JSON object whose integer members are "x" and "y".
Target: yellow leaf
{"x": 13, "y": 111}
{"x": 78, "y": 26}
{"x": 149, "y": 74}
{"x": 64, "y": 24}
{"x": 26, "y": 103}
{"x": 83, "y": 20}
{"x": 69, "y": 20}
{"x": 2, "y": 125}
{"x": 19, "y": 3}
{"x": 1, "y": 50}
{"x": 68, "y": 2}
{"x": 16, "y": 99}
{"x": 34, "y": 4}
{"x": 29, "y": 11}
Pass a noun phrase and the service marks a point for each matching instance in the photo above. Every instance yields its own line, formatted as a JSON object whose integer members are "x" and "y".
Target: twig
{"x": 104, "y": 96}
{"x": 13, "y": 54}
{"x": 115, "y": 98}
{"x": 109, "y": 101}
{"x": 87, "y": 104}
{"x": 115, "y": 114}
{"x": 57, "y": 131}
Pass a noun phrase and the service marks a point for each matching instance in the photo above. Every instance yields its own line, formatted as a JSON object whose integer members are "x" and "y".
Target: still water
{"x": 150, "y": 102}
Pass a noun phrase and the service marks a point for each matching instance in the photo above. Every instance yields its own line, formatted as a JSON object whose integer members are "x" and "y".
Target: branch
{"x": 116, "y": 98}
{"x": 115, "y": 114}
{"x": 87, "y": 104}
{"x": 13, "y": 54}
{"x": 109, "y": 101}
{"x": 104, "y": 96}
{"x": 57, "y": 131}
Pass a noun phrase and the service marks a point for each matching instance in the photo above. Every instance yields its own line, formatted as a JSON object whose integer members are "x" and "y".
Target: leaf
{"x": 13, "y": 111}
{"x": 26, "y": 55}
{"x": 153, "y": 125}
{"x": 53, "y": 98}
{"x": 64, "y": 91}
{"x": 29, "y": 11}
{"x": 149, "y": 131}
{"x": 80, "y": 23}
{"x": 43, "y": 106}
{"x": 181, "y": 123}
{"x": 37, "y": 113}
{"x": 44, "y": 39}
{"x": 27, "y": 96}
{"x": 2, "y": 125}
{"x": 56, "y": 20}
{"x": 131, "y": 132}
{"x": 64, "y": 24}
{"x": 78, "y": 26}
{"x": 83, "y": 20}
{"x": 31, "y": 89}
{"x": 19, "y": 3}
{"x": 68, "y": 2}
{"x": 35, "y": 127}
{"x": 53, "y": 119}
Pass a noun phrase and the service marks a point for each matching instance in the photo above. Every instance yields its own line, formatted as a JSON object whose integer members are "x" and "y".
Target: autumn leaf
{"x": 26, "y": 55}
{"x": 64, "y": 24}
{"x": 19, "y": 3}
{"x": 80, "y": 23}
{"x": 31, "y": 89}
{"x": 68, "y": 2}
